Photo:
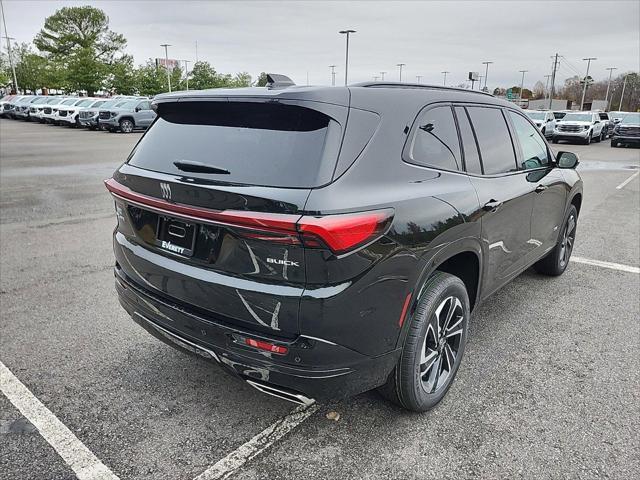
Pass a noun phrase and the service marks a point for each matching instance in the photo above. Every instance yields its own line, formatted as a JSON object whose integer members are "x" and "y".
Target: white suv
{"x": 582, "y": 126}
{"x": 544, "y": 120}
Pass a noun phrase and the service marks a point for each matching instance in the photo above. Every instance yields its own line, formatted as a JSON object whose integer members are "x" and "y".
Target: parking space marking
{"x": 225, "y": 467}
{"x": 612, "y": 266}
{"x": 624, "y": 184}
{"x": 84, "y": 463}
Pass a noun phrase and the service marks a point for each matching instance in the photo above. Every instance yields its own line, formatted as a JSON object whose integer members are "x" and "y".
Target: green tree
{"x": 203, "y": 76}
{"x": 241, "y": 79}
{"x": 122, "y": 76}
{"x": 262, "y": 80}
{"x": 150, "y": 80}
{"x": 79, "y": 39}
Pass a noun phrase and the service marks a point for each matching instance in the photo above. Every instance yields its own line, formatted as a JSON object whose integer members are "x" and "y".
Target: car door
{"x": 551, "y": 124}
{"x": 505, "y": 196}
{"x": 550, "y": 188}
{"x": 143, "y": 114}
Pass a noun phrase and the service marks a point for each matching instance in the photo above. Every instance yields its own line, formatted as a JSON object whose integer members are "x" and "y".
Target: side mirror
{"x": 567, "y": 160}
{"x": 137, "y": 109}
{"x": 597, "y": 121}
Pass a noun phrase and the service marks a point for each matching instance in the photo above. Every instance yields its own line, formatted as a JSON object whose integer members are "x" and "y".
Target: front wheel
{"x": 433, "y": 347}
{"x": 614, "y": 144}
{"x": 588, "y": 139}
{"x": 556, "y": 261}
{"x": 126, "y": 126}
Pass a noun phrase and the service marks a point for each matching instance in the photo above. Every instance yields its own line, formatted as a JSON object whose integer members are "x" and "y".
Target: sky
{"x": 301, "y": 39}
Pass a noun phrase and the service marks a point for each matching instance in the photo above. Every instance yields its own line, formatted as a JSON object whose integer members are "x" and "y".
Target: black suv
{"x": 319, "y": 242}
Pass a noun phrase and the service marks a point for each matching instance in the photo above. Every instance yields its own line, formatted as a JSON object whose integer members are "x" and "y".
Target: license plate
{"x": 175, "y": 236}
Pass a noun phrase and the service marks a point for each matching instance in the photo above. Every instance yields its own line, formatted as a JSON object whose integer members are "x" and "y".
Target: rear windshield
{"x": 266, "y": 144}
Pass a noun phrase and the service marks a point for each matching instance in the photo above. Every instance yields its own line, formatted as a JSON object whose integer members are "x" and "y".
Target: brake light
{"x": 266, "y": 346}
{"x": 344, "y": 232}
{"x": 340, "y": 233}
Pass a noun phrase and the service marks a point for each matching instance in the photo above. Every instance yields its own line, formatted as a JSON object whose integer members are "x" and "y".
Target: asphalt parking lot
{"x": 549, "y": 387}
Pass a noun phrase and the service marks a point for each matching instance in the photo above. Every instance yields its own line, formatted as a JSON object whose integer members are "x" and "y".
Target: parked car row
{"x": 586, "y": 127}
{"x": 120, "y": 113}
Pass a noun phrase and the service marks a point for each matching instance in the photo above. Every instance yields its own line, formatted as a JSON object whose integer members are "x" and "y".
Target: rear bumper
{"x": 312, "y": 367}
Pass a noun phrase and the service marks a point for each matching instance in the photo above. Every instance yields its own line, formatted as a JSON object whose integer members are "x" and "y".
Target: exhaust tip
{"x": 281, "y": 393}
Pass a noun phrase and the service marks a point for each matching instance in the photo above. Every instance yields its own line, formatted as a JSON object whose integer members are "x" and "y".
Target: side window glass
{"x": 146, "y": 106}
{"x": 469, "y": 146}
{"x": 494, "y": 140}
{"x": 435, "y": 141}
{"x": 534, "y": 150}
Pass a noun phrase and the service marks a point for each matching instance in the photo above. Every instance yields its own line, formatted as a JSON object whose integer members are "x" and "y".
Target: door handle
{"x": 492, "y": 205}
{"x": 541, "y": 188}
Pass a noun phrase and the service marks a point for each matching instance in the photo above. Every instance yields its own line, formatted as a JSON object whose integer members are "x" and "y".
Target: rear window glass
{"x": 267, "y": 144}
{"x": 435, "y": 142}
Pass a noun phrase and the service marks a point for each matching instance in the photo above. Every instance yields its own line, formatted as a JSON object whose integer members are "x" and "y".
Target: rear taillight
{"x": 339, "y": 233}
{"x": 342, "y": 233}
{"x": 266, "y": 346}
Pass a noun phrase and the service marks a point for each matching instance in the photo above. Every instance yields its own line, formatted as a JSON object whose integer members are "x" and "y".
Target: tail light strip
{"x": 340, "y": 233}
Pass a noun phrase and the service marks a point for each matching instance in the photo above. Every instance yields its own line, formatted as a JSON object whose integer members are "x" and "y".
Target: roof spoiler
{"x": 275, "y": 81}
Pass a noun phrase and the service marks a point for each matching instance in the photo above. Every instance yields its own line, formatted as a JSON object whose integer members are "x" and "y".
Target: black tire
{"x": 587, "y": 141}
{"x": 126, "y": 125}
{"x": 556, "y": 261}
{"x": 417, "y": 383}
{"x": 554, "y": 140}
{"x": 614, "y": 144}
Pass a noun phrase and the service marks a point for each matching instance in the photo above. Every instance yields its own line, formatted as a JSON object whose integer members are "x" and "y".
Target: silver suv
{"x": 128, "y": 116}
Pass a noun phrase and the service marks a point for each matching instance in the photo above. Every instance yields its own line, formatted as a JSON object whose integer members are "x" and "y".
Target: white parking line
{"x": 84, "y": 463}
{"x": 612, "y": 266}
{"x": 624, "y": 184}
{"x": 262, "y": 441}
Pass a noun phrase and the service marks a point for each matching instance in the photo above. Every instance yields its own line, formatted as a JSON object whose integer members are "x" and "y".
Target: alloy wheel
{"x": 441, "y": 344}
{"x": 568, "y": 238}
{"x": 126, "y": 126}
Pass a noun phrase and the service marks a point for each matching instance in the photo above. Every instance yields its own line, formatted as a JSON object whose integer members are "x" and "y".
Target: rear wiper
{"x": 199, "y": 167}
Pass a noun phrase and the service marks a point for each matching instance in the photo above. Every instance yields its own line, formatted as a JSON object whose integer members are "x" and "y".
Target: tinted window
{"x": 494, "y": 140}
{"x": 534, "y": 150}
{"x": 144, "y": 106}
{"x": 435, "y": 141}
{"x": 469, "y": 146}
{"x": 258, "y": 143}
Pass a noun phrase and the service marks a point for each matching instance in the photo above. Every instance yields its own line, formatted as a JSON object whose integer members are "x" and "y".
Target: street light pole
{"x": 401, "y": 65}
{"x": 13, "y": 68}
{"x": 382, "y": 76}
{"x": 606, "y": 97}
{"x": 333, "y": 75}
{"x": 486, "y": 72}
{"x": 166, "y": 63}
{"x": 444, "y": 81}
{"x": 522, "y": 83}
{"x": 418, "y": 78}
{"x": 624, "y": 84}
{"x": 584, "y": 88}
{"x": 346, "y": 57}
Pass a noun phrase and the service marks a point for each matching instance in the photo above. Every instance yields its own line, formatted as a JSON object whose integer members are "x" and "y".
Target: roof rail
{"x": 416, "y": 85}
{"x": 276, "y": 80}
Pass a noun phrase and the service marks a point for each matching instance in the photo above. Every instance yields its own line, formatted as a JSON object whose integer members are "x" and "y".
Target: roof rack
{"x": 276, "y": 80}
{"x": 416, "y": 85}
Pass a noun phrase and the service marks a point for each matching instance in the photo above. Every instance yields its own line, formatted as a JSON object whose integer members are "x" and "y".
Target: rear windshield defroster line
{"x": 258, "y": 143}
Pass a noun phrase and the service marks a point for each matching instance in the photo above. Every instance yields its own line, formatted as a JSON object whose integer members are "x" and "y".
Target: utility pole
{"x": 13, "y": 68}
{"x": 382, "y": 76}
{"x": 166, "y": 63}
{"x": 486, "y": 72}
{"x": 624, "y": 84}
{"x": 606, "y": 97}
{"x": 333, "y": 75}
{"x": 401, "y": 65}
{"x": 196, "y": 51}
{"x": 186, "y": 71}
{"x": 546, "y": 86}
{"x": 553, "y": 80}
{"x": 418, "y": 78}
{"x": 522, "y": 84}
{"x": 346, "y": 57}
{"x": 444, "y": 81}
{"x": 584, "y": 88}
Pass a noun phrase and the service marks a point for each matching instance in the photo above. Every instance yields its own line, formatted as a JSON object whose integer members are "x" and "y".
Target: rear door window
{"x": 435, "y": 140}
{"x": 494, "y": 139}
{"x": 257, "y": 143}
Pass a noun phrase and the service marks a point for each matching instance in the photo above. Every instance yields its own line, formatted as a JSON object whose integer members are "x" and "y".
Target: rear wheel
{"x": 614, "y": 144}
{"x": 126, "y": 125}
{"x": 434, "y": 345}
{"x": 556, "y": 261}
